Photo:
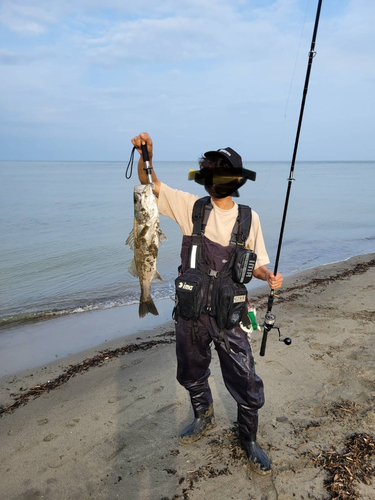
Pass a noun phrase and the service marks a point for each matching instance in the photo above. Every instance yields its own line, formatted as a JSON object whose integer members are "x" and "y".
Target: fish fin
{"x": 157, "y": 276}
{"x": 146, "y": 305}
{"x": 133, "y": 269}
{"x": 161, "y": 235}
{"x": 130, "y": 240}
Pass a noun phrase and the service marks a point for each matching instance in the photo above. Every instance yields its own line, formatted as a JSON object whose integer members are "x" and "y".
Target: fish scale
{"x": 144, "y": 240}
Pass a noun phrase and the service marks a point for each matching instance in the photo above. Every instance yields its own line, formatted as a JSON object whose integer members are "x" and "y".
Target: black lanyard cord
{"x": 129, "y": 168}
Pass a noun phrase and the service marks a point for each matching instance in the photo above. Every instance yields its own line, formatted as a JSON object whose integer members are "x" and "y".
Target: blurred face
{"x": 219, "y": 178}
{"x": 220, "y": 189}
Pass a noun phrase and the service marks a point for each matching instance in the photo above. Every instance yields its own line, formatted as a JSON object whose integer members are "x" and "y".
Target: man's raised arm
{"x": 137, "y": 141}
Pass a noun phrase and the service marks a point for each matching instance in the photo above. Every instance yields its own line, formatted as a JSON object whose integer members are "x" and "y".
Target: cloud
{"x": 199, "y": 70}
{"x": 21, "y": 58}
{"x": 225, "y": 36}
{"x": 25, "y": 18}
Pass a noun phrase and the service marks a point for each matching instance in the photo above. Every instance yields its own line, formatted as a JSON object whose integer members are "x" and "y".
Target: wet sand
{"x": 111, "y": 430}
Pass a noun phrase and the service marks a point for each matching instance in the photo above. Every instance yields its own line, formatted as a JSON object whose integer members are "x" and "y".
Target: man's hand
{"x": 262, "y": 273}
{"x": 140, "y": 139}
{"x": 274, "y": 282}
{"x": 137, "y": 141}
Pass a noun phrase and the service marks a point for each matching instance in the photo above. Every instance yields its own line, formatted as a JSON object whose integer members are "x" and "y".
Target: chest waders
{"x": 202, "y": 319}
{"x": 211, "y": 277}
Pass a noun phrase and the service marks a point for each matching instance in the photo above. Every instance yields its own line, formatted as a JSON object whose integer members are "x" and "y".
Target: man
{"x": 222, "y": 174}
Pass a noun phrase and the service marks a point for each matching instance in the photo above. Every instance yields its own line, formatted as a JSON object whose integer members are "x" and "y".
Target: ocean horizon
{"x": 64, "y": 226}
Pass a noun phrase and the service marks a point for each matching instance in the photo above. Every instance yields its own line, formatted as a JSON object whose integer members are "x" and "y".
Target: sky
{"x": 80, "y": 78}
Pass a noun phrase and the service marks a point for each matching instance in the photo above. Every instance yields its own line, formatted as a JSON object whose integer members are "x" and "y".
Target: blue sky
{"x": 80, "y": 78}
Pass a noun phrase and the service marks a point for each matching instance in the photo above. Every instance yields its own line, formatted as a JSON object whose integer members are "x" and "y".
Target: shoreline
{"x": 31, "y": 345}
{"x": 23, "y": 319}
{"x": 107, "y": 350}
{"x": 111, "y": 431}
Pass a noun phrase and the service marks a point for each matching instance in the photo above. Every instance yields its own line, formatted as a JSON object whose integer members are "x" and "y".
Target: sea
{"x": 63, "y": 228}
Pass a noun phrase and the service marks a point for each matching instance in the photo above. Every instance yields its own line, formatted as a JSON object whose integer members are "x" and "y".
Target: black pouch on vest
{"x": 230, "y": 300}
{"x": 190, "y": 293}
{"x": 243, "y": 266}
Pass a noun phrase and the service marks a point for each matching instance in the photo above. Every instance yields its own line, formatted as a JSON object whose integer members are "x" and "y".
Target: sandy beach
{"x": 108, "y": 427}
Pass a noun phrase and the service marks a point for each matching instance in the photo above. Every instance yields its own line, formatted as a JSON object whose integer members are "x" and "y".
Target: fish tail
{"x": 146, "y": 305}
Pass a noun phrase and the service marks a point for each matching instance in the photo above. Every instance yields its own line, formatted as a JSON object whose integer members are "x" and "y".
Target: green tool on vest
{"x": 251, "y": 313}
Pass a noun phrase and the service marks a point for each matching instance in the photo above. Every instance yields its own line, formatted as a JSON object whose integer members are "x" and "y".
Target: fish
{"x": 144, "y": 239}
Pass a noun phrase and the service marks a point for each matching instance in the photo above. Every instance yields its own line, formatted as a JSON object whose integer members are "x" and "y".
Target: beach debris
{"x": 202, "y": 473}
{"x": 316, "y": 283}
{"x": 282, "y": 419}
{"x": 170, "y": 471}
{"x": 208, "y": 472}
{"x": 345, "y": 470}
{"x": 343, "y": 408}
{"x": 72, "y": 370}
{"x": 144, "y": 239}
{"x": 224, "y": 448}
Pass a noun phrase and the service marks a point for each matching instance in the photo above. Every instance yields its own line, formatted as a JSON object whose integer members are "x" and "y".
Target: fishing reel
{"x": 268, "y": 325}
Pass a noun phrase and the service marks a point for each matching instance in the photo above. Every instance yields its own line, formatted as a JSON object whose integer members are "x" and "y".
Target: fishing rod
{"x": 269, "y": 320}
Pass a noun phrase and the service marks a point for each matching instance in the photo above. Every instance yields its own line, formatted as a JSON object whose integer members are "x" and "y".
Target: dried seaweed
{"x": 348, "y": 468}
{"x": 72, "y": 370}
{"x": 343, "y": 408}
{"x": 207, "y": 472}
{"x": 224, "y": 447}
{"x": 318, "y": 282}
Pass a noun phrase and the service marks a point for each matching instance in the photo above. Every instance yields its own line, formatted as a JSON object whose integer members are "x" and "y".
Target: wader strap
{"x": 241, "y": 229}
{"x": 223, "y": 337}
{"x": 194, "y": 332}
{"x": 201, "y": 212}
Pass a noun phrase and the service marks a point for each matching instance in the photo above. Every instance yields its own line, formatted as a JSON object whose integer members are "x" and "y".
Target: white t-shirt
{"x": 178, "y": 205}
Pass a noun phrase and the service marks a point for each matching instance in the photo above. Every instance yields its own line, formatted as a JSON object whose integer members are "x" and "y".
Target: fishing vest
{"x": 212, "y": 277}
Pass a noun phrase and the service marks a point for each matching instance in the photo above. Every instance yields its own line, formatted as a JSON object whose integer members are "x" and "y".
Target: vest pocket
{"x": 190, "y": 294}
{"x": 229, "y": 302}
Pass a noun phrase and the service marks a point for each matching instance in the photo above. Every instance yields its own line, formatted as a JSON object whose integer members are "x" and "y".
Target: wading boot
{"x": 203, "y": 422}
{"x": 258, "y": 460}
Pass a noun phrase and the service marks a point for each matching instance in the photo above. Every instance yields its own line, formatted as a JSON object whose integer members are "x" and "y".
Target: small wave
{"x": 18, "y": 319}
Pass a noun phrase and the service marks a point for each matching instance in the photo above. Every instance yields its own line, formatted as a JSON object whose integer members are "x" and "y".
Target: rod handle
{"x": 145, "y": 155}
{"x": 146, "y": 160}
{"x": 264, "y": 342}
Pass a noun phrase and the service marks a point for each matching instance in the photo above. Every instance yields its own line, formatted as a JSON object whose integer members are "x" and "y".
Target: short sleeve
{"x": 178, "y": 205}
{"x": 255, "y": 242}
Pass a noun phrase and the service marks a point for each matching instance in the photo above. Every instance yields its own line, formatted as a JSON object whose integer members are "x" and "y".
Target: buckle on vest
{"x": 213, "y": 273}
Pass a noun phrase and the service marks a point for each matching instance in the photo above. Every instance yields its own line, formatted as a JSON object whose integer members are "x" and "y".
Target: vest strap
{"x": 241, "y": 229}
{"x": 223, "y": 337}
{"x": 201, "y": 212}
